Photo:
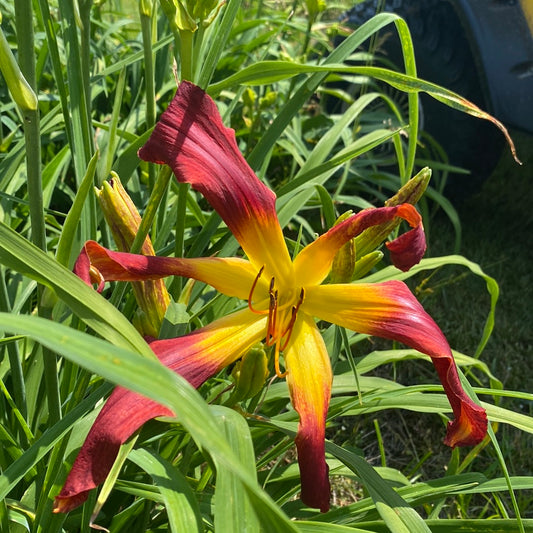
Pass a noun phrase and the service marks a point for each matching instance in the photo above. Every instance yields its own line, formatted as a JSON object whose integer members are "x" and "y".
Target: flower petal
{"x": 196, "y": 357}
{"x": 191, "y": 138}
{"x": 231, "y": 276}
{"x": 391, "y": 311}
{"x": 309, "y": 378}
{"x": 313, "y": 263}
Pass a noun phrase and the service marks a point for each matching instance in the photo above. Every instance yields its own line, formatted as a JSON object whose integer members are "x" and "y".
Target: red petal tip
{"x": 408, "y": 249}
{"x": 314, "y": 472}
{"x": 67, "y": 504}
{"x": 469, "y": 429}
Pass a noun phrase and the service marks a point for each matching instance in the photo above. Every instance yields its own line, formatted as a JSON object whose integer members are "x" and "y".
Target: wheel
{"x": 444, "y": 55}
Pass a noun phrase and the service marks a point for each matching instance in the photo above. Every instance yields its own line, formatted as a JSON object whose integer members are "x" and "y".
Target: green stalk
{"x": 79, "y": 100}
{"x": 186, "y": 54}
{"x": 145, "y": 10}
{"x": 32, "y": 135}
{"x": 85, "y": 46}
{"x": 158, "y": 192}
{"x": 53, "y": 52}
{"x": 183, "y": 191}
{"x": 146, "y": 15}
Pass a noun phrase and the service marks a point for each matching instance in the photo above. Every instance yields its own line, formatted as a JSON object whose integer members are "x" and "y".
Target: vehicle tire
{"x": 444, "y": 56}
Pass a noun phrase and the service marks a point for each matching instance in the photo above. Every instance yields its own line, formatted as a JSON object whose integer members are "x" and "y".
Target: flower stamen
{"x": 279, "y": 373}
{"x": 250, "y": 296}
{"x": 294, "y": 312}
{"x": 272, "y": 314}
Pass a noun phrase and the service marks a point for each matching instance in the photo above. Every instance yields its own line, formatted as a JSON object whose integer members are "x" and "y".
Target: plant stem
{"x": 186, "y": 55}
{"x": 146, "y": 15}
{"x": 32, "y": 135}
{"x": 183, "y": 191}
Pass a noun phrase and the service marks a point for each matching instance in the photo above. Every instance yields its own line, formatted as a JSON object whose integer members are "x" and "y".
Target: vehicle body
{"x": 482, "y": 50}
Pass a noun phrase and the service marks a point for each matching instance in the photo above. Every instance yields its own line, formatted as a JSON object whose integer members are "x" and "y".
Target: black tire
{"x": 443, "y": 56}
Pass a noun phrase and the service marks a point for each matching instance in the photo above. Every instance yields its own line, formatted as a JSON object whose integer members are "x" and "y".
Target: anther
{"x": 272, "y": 315}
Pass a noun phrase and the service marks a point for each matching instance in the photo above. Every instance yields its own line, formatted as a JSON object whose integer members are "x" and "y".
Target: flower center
{"x": 282, "y": 311}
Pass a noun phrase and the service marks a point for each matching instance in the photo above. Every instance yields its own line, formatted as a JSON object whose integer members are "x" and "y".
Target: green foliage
{"x": 102, "y": 72}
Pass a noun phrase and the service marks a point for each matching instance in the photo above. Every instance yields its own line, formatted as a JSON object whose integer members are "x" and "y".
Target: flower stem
{"x": 186, "y": 54}
{"x": 32, "y": 135}
{"x": 146, "y": 16}
{"x": 183, "y": 191}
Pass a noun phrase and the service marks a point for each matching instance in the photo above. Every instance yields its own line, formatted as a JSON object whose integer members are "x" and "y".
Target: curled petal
{"x": 191, "y": 138}
{"x": 196, "y": 357}
{"x": 85, "y": 271}
{"x": 309, "y": 378}
{"x": 313, "y": 263}
{"x": 231, "y": 276}
{"x": 390, "y": 310}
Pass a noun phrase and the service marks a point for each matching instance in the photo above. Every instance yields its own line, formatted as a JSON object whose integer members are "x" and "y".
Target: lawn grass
{"x": 496, "y": 224}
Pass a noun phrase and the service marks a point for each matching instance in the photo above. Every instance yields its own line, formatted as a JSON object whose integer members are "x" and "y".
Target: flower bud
{"x": 249, "y": 374}
{"x": 186, "y": 15}
{"x": 19, "y": 88}
{"x": 364, "y": 265}
{"x": 342, "y": 269}
{"x": 145, "y": 8}
{"x": 410, "y": 193}
{"x": 123, "y": 219}
{"x": 178, "y": 16}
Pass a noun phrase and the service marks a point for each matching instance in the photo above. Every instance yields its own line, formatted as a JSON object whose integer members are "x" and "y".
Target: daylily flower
{"x": 283, "y": 299}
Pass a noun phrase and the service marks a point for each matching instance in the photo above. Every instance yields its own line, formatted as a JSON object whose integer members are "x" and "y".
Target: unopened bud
{"x": 19, "y": 88}
{"x": 364, "y": 265}
{"x": 249, "y": 374}
{"x": 342, "y": 269}
{"x": 410, "y": 193}
{"x": 145, "y": 8}
{"x": 123, "y": 219}
{"x": 178, "y": 16}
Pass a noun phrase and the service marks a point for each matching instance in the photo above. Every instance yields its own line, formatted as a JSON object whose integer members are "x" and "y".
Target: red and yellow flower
{"x": 284, "y": 297}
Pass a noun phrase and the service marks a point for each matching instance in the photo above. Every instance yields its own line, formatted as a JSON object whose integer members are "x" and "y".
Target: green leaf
{"x": 233, "y": 511}
{"x": 179, "y": 499}
{"x": 150, "y": 378}
{"x": 20, "y": 255}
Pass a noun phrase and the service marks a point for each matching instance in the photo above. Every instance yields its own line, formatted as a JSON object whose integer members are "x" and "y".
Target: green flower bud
{"x": 186, "y": 15}
{"x": 179, "y": 18}
{"x": 249, "y": 374}
{"x": 248, "y": 97}
{"x": 201, "y": 9}
{"x": 410, "y": 193}
{"x": 20, "y": 90}
{"x": 268, "y": 100}
{"x": 314, "y": 7}
{"x": 145, "y": 8}
{"x": 342, "y": 269}
{"x": 364, "y": 265}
